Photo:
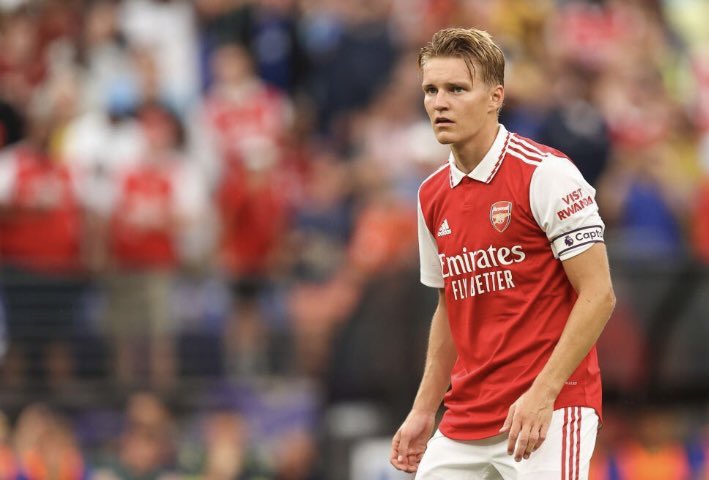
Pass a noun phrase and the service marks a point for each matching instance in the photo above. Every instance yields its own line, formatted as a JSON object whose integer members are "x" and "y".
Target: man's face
{"x": 231, "y": 64}
{"x": 458, "y": 105}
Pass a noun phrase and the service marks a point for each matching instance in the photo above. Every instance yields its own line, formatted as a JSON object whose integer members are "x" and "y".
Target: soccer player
{"x": 509, "y": 234}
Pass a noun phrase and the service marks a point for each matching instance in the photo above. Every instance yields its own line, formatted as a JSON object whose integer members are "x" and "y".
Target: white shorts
{"x": 564, "y": 455}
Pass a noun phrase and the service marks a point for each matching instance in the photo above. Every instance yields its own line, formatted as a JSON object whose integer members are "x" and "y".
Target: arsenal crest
{"x": 500, "y": 215}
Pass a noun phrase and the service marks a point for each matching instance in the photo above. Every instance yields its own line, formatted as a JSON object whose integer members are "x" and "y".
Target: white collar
{"x": 487, "y": 168}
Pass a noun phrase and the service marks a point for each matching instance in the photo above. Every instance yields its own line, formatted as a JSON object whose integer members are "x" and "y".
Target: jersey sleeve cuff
{"x": 576, "y": 241}
{"x": 432, "y": 281}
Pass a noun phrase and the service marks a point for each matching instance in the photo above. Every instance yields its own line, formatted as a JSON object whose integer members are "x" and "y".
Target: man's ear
{"x": 497, "y": 98}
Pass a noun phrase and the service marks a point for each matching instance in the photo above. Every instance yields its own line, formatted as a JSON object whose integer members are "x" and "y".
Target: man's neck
{"x": 470, "y": 154}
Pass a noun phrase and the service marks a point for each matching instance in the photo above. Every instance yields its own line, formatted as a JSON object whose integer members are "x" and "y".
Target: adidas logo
{"x": 444, "y": 229}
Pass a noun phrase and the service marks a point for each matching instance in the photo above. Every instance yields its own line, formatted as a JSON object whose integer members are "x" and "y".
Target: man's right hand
{"x": 409, "y": 442}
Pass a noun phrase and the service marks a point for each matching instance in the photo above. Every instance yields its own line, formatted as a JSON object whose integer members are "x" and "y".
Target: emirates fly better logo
{"x": 500, "y": 215}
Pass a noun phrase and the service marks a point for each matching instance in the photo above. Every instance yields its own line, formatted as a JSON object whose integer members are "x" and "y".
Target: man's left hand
{"x": 528, "y": 422}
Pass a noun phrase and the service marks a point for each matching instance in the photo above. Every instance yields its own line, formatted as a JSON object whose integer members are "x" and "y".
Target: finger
{"x": 403, "y": 456}
{"x": 416, "y": 452}
{"x": 403, "y": 466}
{"x": 414, "y": 461}
{"x": 522, "y": 441}
{"x": 411, "y": 468}
{"x": 409, "y": 464}
{"x": 531, "y": 444}
{"x": 512, "y": 437}
{"x": 395, "y": 457}
{"x": 542, "y": 434}
{"x": 508, "y": 420}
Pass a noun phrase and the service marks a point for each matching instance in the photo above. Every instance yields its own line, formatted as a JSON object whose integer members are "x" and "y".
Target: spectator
{"x": 253, "y": 209}
{"x": 322, "y": 221}
{"x": 104, "y": 56}
{"x": 158, "y": 198}
{"x": 46, "y": 446}
{"x": 644, "y": 205}
{"x": 658, "y": 452}
{"x": 238, "y": 107}
{"x": 355, "y": 68}
{"x": 146, "y": 446}
{"x": 165, "y": 28}
{"x": 396, "y": 148}
{"x": 575, "y": 125}
{"x": 296, "y": 457}
{"x": 383, "y": 239}
{"x": 23, "y": 65}
{"x": 42, "y": 235}
{"x": 227, "y": 452}
{"x": 268, "y": 29}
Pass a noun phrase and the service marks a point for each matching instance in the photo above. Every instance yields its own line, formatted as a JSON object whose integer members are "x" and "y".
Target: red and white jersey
{"x": 155, "y": 201}
{"x": 236, "y": 118}
{"x": 41, "y": 228}
{"x": 494, "y": 240}
{"x": 247, "y": 124}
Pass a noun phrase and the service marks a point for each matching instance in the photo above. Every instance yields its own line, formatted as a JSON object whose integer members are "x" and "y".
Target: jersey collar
{"x": 487, "y": 168}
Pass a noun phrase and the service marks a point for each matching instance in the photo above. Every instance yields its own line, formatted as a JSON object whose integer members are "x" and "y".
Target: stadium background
{"x": 263, "y": 318}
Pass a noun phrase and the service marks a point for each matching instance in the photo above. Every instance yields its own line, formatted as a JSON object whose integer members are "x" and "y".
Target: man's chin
{"x": 445, "y": 138}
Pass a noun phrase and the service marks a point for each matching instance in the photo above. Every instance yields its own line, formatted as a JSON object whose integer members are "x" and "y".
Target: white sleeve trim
{"x": 564, "y": 206}
{"x": 431, "y": 274}
{"x": 8, "y": 174}
{"x": 189, "y": 195}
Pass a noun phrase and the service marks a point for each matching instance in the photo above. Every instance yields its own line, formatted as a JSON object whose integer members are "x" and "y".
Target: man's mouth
{"x": 443, "y": 121}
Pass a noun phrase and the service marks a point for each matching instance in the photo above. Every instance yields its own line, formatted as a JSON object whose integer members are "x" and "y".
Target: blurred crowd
{"x": 215, "y": 201}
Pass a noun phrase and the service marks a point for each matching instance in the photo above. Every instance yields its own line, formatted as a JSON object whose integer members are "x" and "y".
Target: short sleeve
{"x": 8, "y": 173}
{"x": 190, "y": 196}
{"x": 564, "y": 206}
{"x": 431, "y": 274}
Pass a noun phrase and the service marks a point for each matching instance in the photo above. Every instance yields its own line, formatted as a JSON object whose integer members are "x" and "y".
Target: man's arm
{"x": 529, "y": 417}
{"x": 409, "y": 442}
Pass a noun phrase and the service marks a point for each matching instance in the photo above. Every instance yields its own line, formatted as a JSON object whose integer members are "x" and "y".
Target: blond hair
{"x": 475, "y": 47}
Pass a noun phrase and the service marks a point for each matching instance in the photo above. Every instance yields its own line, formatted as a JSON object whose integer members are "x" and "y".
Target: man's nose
{"x": 441, "y": 101}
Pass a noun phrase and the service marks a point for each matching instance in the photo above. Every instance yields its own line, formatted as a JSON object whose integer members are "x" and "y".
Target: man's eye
{"x": 431, "y": 91}
{"x": 458, "y": 89}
